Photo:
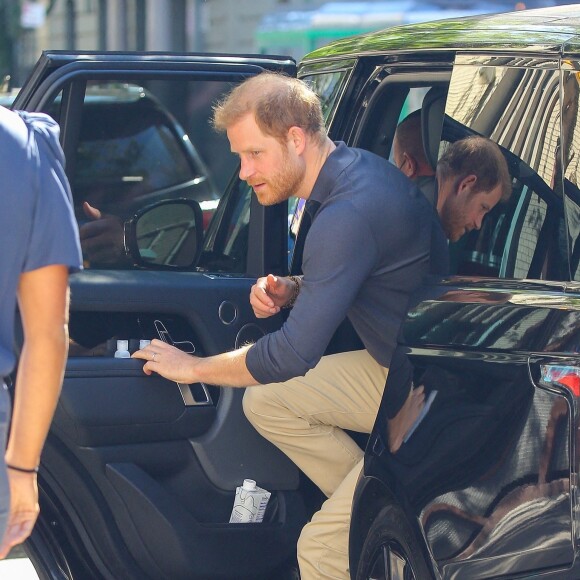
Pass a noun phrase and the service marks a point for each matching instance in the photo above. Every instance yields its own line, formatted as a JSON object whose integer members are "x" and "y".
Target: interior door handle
{"x": 196, "y": 393}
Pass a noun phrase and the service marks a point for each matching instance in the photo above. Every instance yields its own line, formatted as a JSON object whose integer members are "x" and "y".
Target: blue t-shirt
{"x": 373, "y": 241}
{"x": 37, "y": 223}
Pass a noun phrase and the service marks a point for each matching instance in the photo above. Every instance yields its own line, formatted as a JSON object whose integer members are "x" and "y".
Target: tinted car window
{"x": 226, "y": 242}
{"x": 569, "y": 149}
{"x": 519, "y": 109}
{"x": 129, "y": 148}
{"x": 329, "y": 87}
{"x": 140, "y": 143}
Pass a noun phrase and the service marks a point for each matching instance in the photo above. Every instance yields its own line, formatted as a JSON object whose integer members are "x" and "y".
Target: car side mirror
{"x": 165, "y": 235}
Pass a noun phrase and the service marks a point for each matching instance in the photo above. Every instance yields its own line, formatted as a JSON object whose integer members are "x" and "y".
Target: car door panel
{"x": 196, "y": 300}
{"x": 105, "y": 401}
{"x": 160, "y": 466}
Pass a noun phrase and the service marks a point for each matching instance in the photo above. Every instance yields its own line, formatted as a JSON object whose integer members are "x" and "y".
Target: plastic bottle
{"x": 122, "y": 349}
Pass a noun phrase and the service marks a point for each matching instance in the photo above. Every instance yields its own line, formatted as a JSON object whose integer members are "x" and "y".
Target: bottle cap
{"x": 144, "y": 343}
{"x": 122, "y": 349}
{"x": 249, "y": 484}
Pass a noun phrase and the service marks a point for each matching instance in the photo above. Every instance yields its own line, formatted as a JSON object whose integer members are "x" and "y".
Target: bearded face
{"x": 276, "y": 184}
{"x": 270, "y": 167}
{"x": 463, "y": 210}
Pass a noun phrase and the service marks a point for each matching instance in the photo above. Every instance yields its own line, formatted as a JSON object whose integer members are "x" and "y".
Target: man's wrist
{"x": 22, "y": 469}
{"x": 295, "y": 291}
{"x": 196, "y": 371}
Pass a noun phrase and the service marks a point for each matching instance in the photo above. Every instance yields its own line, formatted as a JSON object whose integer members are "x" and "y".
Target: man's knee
{"x": 257, "y": 404}
{"x": 309, "y": 539}
{"x": 249, "y": 402}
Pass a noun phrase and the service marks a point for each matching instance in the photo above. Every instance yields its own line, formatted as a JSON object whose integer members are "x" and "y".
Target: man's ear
{"x": 297, "y": 139}
{"x": 467, "y": 184}
{"x": 411, "y": 166}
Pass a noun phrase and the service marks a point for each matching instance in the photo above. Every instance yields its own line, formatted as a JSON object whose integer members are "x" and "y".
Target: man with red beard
{"x": 373, "y": 239}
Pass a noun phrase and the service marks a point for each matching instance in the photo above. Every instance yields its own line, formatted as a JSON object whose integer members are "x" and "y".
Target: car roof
{"x": 554, "y": 30}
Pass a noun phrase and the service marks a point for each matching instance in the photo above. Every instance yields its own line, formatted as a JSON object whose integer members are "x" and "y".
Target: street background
{"x": 284, "y": 27}
{"x": 17, "y": 566}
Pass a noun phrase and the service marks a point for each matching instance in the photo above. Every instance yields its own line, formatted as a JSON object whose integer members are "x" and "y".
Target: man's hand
{"x": 268, "y": 295}
{"x": 102, "y": 238}
{"x": 169, "y": 362}
{"x": 24, "y": 509}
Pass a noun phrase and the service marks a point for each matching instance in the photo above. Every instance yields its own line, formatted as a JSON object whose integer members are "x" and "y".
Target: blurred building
{"x": 157, "y": 25}
{"x": 238, "y": 26}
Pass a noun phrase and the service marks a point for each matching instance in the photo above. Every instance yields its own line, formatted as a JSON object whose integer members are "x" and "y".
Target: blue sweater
{"x": 373, "y": 240}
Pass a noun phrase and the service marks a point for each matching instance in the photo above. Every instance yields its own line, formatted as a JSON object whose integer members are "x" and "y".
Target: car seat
{"x": 432, "y": 115}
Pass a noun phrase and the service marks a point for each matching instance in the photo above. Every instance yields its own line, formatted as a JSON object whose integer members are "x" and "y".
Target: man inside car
{"x": 373, "y": 239}
{"x": 409, "y": 154}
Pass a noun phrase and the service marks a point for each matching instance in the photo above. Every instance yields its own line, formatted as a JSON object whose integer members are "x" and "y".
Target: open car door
{"x": 138, "y": 475}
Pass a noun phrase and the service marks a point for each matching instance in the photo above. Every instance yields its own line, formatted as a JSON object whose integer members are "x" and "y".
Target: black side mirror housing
{"x": 166, "y": 235}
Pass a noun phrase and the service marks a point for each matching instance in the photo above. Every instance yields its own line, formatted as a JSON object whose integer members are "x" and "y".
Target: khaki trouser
{"x": 305, "y": 418}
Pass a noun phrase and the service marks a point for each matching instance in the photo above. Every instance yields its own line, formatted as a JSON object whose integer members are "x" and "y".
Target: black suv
{"x": 138, "y": 474}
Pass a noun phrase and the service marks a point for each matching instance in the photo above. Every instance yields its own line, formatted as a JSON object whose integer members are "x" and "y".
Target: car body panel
{"x": 491, "y": 487}
{"x": 487, "y": 475}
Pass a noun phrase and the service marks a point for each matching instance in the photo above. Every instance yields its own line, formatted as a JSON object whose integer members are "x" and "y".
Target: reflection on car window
{"x": 145, "y": 152}
{"x": 525, "y": 237}
{"x": 329, "y": 86}
{"x": 570, "y": 152}
{"x": 137, "y": 144}
{"x": 532, "y": 210}
{"x": 113, "y": 169}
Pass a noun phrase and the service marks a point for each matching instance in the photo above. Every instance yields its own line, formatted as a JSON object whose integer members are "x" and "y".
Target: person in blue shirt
{"x": 39, "y": 241}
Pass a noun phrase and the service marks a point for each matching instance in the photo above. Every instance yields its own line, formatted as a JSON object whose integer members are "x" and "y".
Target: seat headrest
{"x": 432, "y": 115}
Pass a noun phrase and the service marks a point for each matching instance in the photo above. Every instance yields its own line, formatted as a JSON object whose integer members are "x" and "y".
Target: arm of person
{"x": 339, "y": 255}
{"x": 228, "y": 369}
{"x": 323, "y": 302}
{"x": 267, "y": 296}
{"x": 43, "y": 303}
